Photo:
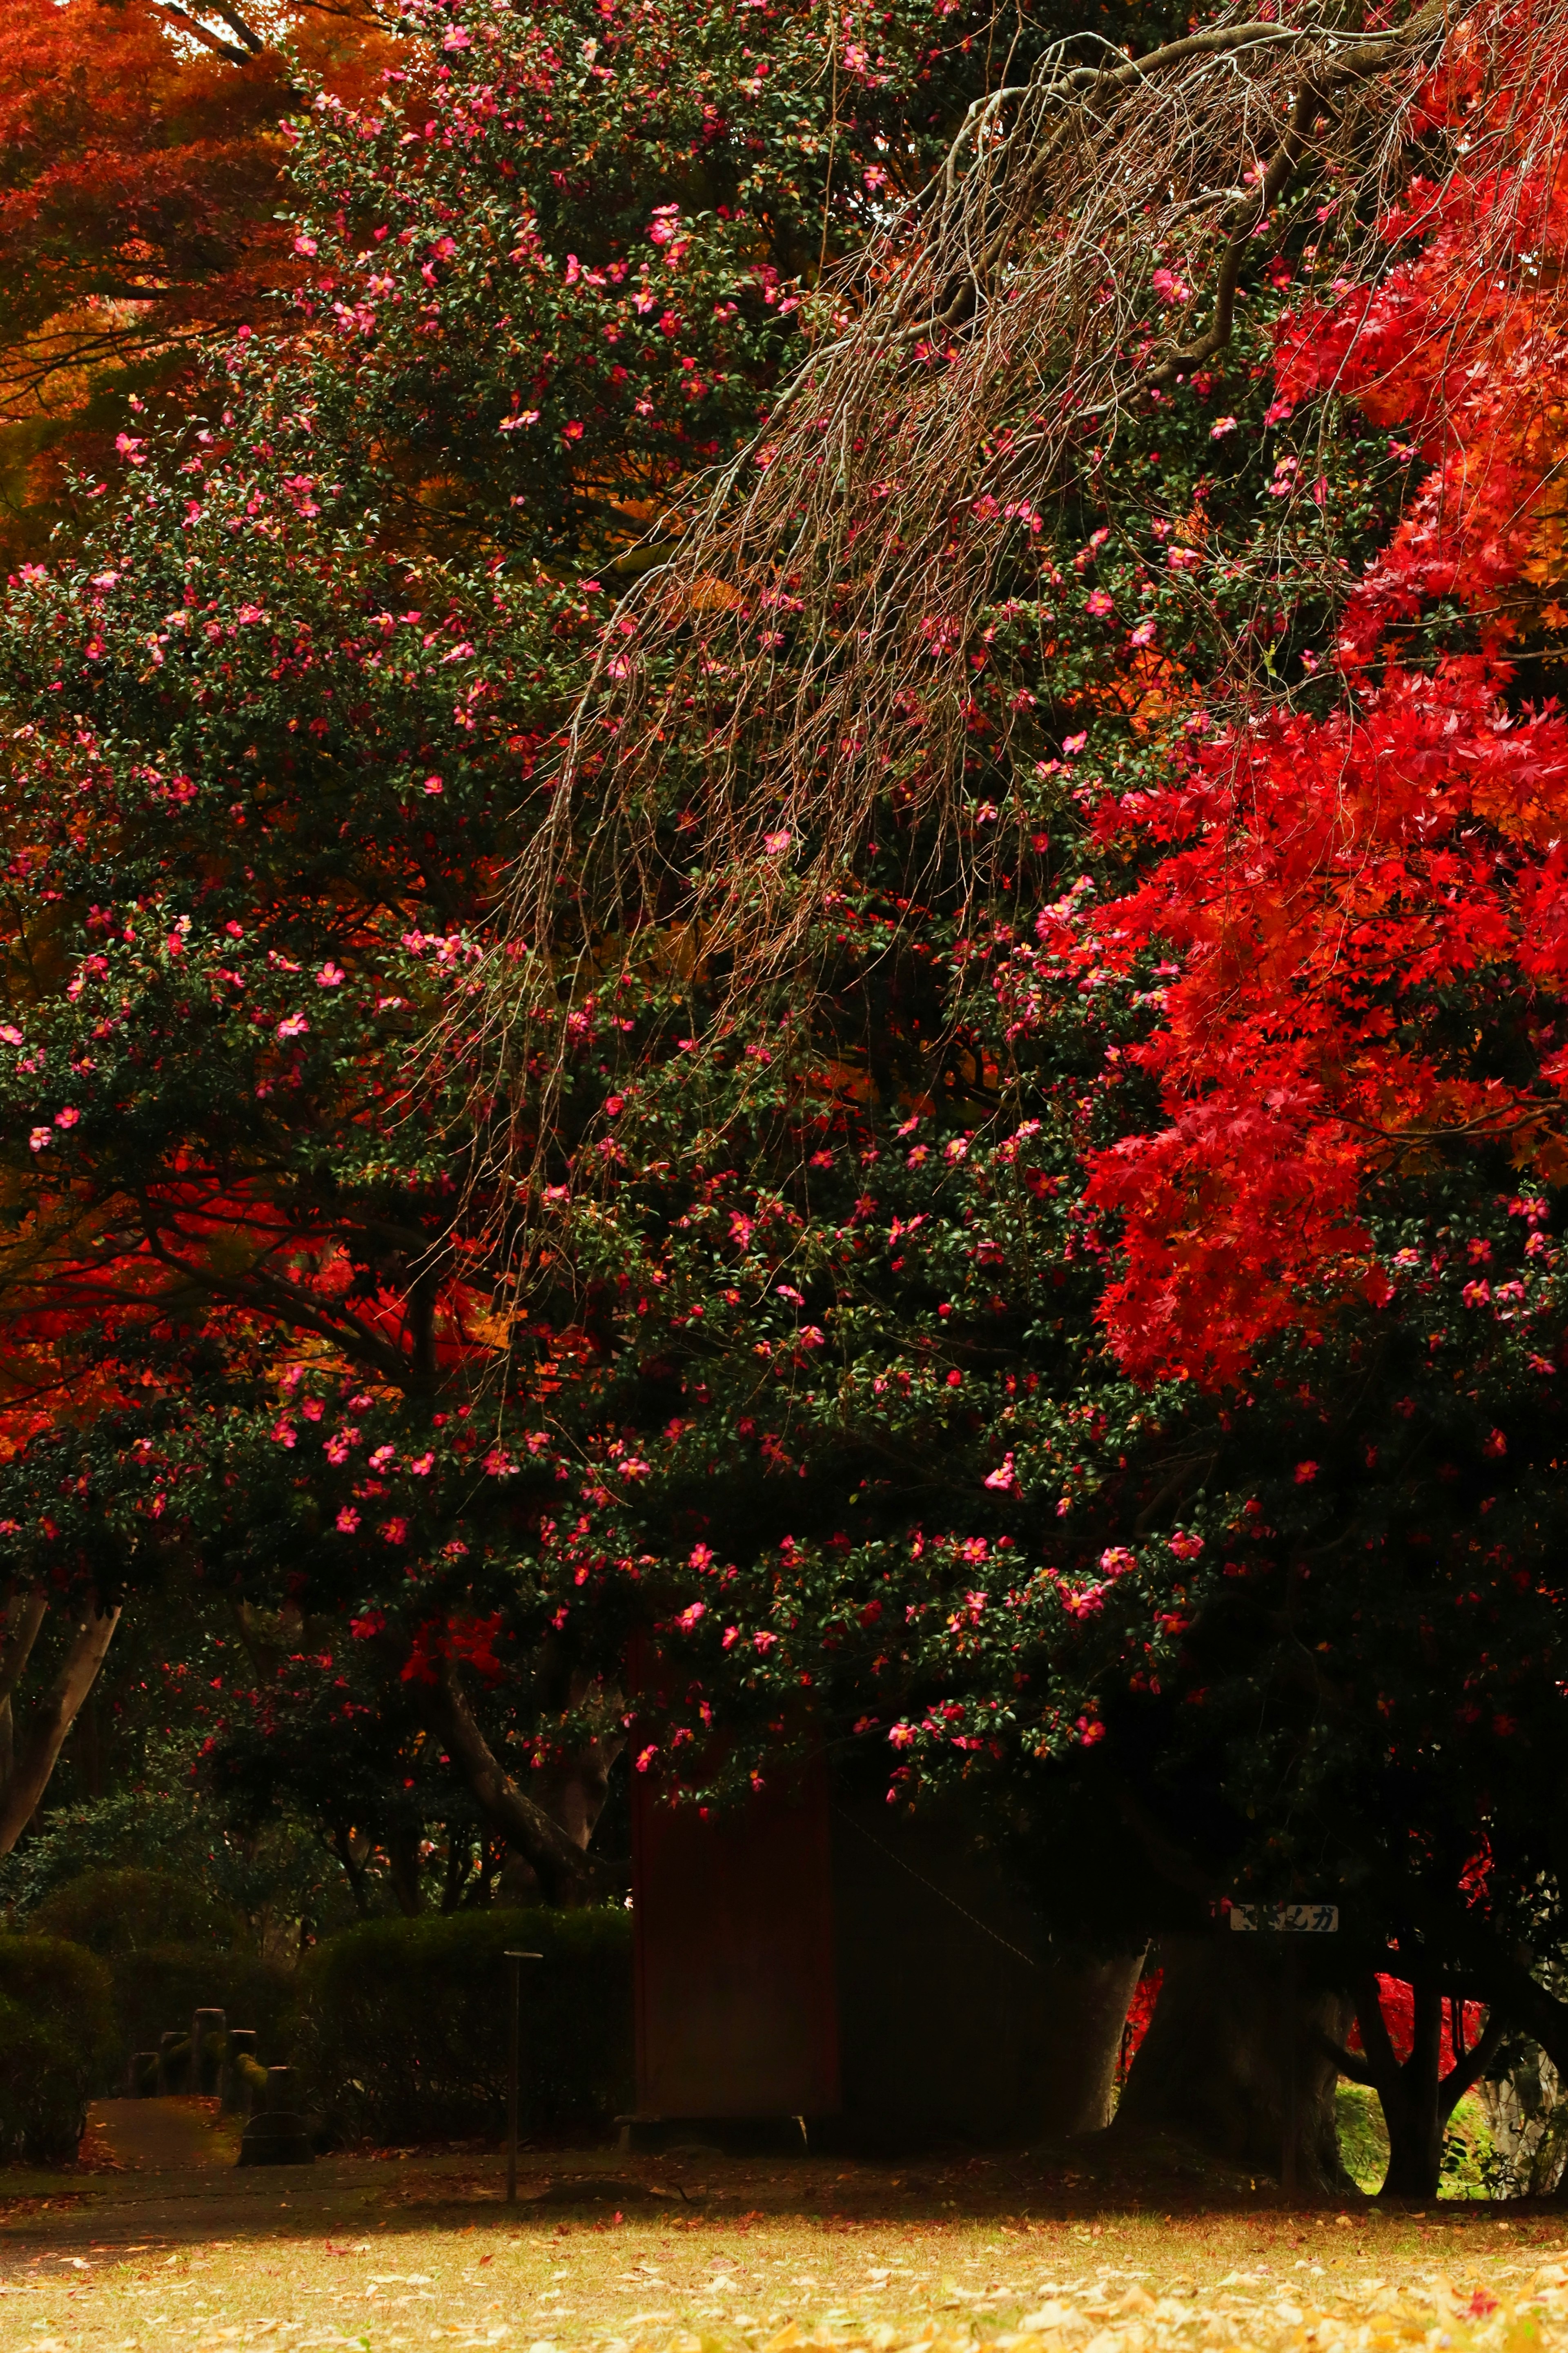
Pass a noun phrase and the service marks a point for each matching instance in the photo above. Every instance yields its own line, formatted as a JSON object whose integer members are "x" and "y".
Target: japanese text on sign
{"x": 1301, "y": 1919}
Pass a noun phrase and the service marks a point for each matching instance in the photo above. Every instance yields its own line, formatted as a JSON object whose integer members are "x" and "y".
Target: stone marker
{"x": 279, "y": 2134}
{"x": 174, "y": 2049}
{"x": 234, "y": 2090}
{"x": 206, "y": 2026}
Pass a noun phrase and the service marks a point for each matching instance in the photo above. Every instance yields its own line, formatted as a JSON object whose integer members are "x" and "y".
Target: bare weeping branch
{"x": 803, "y": 649}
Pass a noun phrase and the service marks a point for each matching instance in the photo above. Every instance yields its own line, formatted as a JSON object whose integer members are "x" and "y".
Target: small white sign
{"x": 1298, "y": 1919}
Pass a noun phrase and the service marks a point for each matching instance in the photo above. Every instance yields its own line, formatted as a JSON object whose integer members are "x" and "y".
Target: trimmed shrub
{"x": 122, "y": 1910}
{"x": 56, "y": 2044}
{"x": 401, "y": 2029}
{"x": 157, "y": 1987}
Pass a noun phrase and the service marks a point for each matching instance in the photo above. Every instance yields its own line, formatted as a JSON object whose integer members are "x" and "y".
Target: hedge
{"x": 122, "y": 1910}
{"x": 400, "y": 2033}
{"x": 58, "y": 2040}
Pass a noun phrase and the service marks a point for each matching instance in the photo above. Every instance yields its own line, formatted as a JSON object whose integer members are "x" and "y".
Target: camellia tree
{"x": 997, "y": 1203}
{"x": 277, "y": 724}
{"x": 1080, "y": 860}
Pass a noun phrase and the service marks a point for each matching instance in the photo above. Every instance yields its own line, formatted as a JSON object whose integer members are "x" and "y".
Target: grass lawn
{"x": 712, "y": 2255}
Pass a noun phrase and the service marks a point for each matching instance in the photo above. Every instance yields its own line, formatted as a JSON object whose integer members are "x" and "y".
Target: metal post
{"x": 1287, "y": 2153}
{"x": 515, "y": 2037}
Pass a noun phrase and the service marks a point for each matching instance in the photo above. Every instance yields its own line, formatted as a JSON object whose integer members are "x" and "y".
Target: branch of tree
{"x": 1326, "y": 74}
{"x": 565, "y": 1872}
{"x": 175, "y": 15}
{"x": 1469, "y": 2066}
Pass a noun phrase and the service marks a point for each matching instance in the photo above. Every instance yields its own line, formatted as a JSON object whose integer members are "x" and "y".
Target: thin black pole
{"x": 514, "y": 2039}
{"x": 1287, "y": 2153}
{"x": 512, "y": 2080}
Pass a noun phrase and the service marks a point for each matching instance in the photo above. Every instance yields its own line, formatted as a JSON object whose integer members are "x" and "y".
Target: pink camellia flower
{"x": 67, "y": 1118}
{"x": 40, "y": 1139}
{"x": 1074, "y": 742}
{"x": 348, "y": 1520}
{"x": 457, "y": 39}
{"x": 775, "y": 844}
{"x": 283, "y": 1433}
{"x": 1305, "y": 1473}
{"x": 305, "y": 245}
{"x": 331, "y": 975}
{"x": 764, "y": 1644}
{"x": 1143, "y": 635}
{"x": 295, "y": 1026}
{"x": 1003, "y": 1477}
{"x": 395, "y": 1531}
{"x": 1099, "y": 603}
{"x": 902, "y": 1736}
{"x": 1221, "y": 426}
{"x": 424, "y": 1466}
{"x": 688, "y": 1619}
{"x": 383, "y": 1457}
{"x": 1184, "y": 1547}
{"x": 434, "y": 786}
{"x": 648, "y": 1756}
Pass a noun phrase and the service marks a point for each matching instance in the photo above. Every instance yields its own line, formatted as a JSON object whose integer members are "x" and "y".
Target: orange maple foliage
{"x": 140, "y": 161}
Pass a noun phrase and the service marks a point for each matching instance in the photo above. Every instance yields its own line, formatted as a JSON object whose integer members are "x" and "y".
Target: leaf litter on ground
{"x": 1138, "y": 2283}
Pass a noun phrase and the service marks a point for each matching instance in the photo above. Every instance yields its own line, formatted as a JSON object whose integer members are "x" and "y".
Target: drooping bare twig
{"x": 803, "y": 652}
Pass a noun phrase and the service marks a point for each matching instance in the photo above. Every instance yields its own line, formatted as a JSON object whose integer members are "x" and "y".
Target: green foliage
{"x": 1364, "y": 2136}
{"x": 56, "y": 2032}
{"x": 253, "y": 2074}
{"x": 1469, "y": 2158}
{"x": 250, "y": 1874}
{"x": 401, "y": 2032}
{"x": 124, "y": 1911}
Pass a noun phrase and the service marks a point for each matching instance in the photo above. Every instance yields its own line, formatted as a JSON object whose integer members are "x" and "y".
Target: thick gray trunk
{"x": 1212, "y": 2066}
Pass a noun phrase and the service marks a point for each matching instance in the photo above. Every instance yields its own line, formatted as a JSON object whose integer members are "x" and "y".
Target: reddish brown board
{"x": 736, "y": 2006}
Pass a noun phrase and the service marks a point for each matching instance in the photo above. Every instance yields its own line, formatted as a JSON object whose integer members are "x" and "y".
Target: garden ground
{"x": 1064, "y": 2251}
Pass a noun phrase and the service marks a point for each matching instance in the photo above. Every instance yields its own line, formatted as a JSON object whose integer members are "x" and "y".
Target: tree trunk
{"x": 26, "y": 1764}
{"x": 1212, "y": 2066}
{"x": 1089, "y": 2005}
{"x": 558, "y": 1856}
{"x": 1416, "y": 2097}
{"x": 575, "y": 1794}
{"x": 994, "y": 2033}
{"x": 403, "y": 1869}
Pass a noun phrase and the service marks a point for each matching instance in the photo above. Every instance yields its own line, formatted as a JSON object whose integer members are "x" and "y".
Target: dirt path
{"x": 165, "y": 2135}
